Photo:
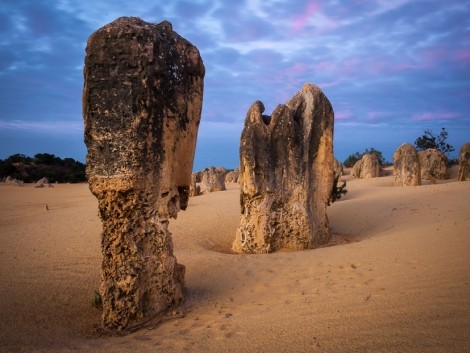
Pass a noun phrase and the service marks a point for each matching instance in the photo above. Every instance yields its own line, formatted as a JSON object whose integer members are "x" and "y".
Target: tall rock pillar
{"x": 464, "y": 162}
{"x": 286, "y": 174}
{"x": 406, "y": 166}
{"x": 142, "y": 102}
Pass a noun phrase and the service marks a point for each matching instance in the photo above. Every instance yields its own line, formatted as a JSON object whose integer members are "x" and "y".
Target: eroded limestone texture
{"x": 286, "y": 174}
{"x": 367, "y": 167}
{"x": 406, "y": 166}
{"x": 464, "y": 162}
{"x": 433, "y": 164}
{"x": 142, "y": 104}
{"x": 194, "y": 189}
{"x": 232, "y": 176}
{"x": 338, "y": 169}
{"x": 212, "y": 180}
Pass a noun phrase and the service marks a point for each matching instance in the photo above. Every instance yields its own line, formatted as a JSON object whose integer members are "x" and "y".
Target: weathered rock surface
{"x": 433, "y": 164}
{"x": 232, "y": 176}
{"x": 338, "y": 169}
{"x": 194, "y": 189}
{"x": 43, "y": 182}
{"x": 356, "y": 169}
{"x": 212, "y": 181}
{"x": 406, "y": 166}
{"x": 221, "y": 171}
{"x": 464, "y": 162}
{"x": 142, "y": 104}
{"x": 367, "y": 167}
{"x": 370, "y": 166}
{"x": 12, "y": 181}
{"x": 286, "y": 174}
{"x": 197, "y": 176}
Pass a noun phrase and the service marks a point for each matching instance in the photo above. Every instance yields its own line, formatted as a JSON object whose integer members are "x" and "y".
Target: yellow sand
{"x": 401, "y": 283}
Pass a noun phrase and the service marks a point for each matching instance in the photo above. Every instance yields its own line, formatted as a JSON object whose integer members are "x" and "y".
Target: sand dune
{"x": 400, "y": 283}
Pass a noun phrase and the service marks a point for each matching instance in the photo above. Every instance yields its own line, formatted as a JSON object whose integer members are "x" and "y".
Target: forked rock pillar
{"x": 286, "y": 174}
{"x": 142, "y": 104}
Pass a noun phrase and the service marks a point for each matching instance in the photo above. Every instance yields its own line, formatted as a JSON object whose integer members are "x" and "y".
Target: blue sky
{"x": 391, "y": 69}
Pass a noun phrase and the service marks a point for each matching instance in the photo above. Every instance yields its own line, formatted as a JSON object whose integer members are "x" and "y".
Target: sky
{"x": 391, "y": 69}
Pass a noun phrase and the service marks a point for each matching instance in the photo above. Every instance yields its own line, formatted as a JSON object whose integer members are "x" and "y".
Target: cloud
{"x": 40, "y": 127}
{"x": 381, "y": 63}
{"x": 301, "y": 20}
{"x": 463, "y": 57}
{"x": 439, "y": 116}
{"x": 376, "y": 116}
{"x": 345, "y": 115}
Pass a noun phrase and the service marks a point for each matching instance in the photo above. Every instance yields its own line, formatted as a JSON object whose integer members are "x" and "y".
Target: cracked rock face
{"x": 433, "y": 164}
{"x": 406, "y": 166}
{"x": 464, "y": 162}
{"x": 142, "y": 102}
{"x": 194, "y": 189}
{"x": 367, "y": 167}
{"x": 232, "y": 176}
{"x": 212, "y": 181}
{"x": 338, "y": 169}
{"x": 286, "y": 174}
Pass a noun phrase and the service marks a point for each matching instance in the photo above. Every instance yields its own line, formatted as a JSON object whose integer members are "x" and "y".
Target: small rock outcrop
{"x": 232, "y": 176}
{"x": 338, "y": 168}
{"x": 14, "y": 182}
{"x": 370, "y": 166}
{"x": 406, "y": 166}
{"x": 356, "y": 169}
{"x": 194, "y": 189}
{"x": 464, "y": 162}
{"x": 212, "y": 181}
{"x": 433, "y": 164}
{"x": 142, "y": 103}
{"x": 221, "y": 171}
{"x": 367, "y": 167}
{"x": 43, "y": 182}
{"x": 197, "y": 177}
{"x": 286, "y": 174}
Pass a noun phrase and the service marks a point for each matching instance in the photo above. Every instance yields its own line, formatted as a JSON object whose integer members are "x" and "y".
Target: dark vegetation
{"x": 68, "y": 170}
{"x": 97, "y": 300}
{"x": 430, "y": 140}
{"x": 337, "y": 191}
{"x": 353, "y": 158}
{"x": 31, "y": 169}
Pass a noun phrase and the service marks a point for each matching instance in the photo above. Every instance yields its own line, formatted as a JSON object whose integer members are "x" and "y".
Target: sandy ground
{"x": 401, "y": 283}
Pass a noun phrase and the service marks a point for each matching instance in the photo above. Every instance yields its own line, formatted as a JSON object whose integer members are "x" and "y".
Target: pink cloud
{"x": 329, "y": 84}
{"x": 402, "y": 67}
{"x": 438, "y": 56}
{"x": 350, "y": 67}
{"x": 296, "y": 70}
{"x": 375, "y": 115}
{"x": 387, "y": 66}
{"x": 323, "y": 66}
{"x": 300, "y": 21}
{"x": 432, "y": 58}
{"x": 343, "y": 115}
{"x": 377, "y": 67}
{"x": 291, "y": 75}
{"x": 436, "y": 116}
{"x": 463, "y": 57}
{"x": 353, "y": 67}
